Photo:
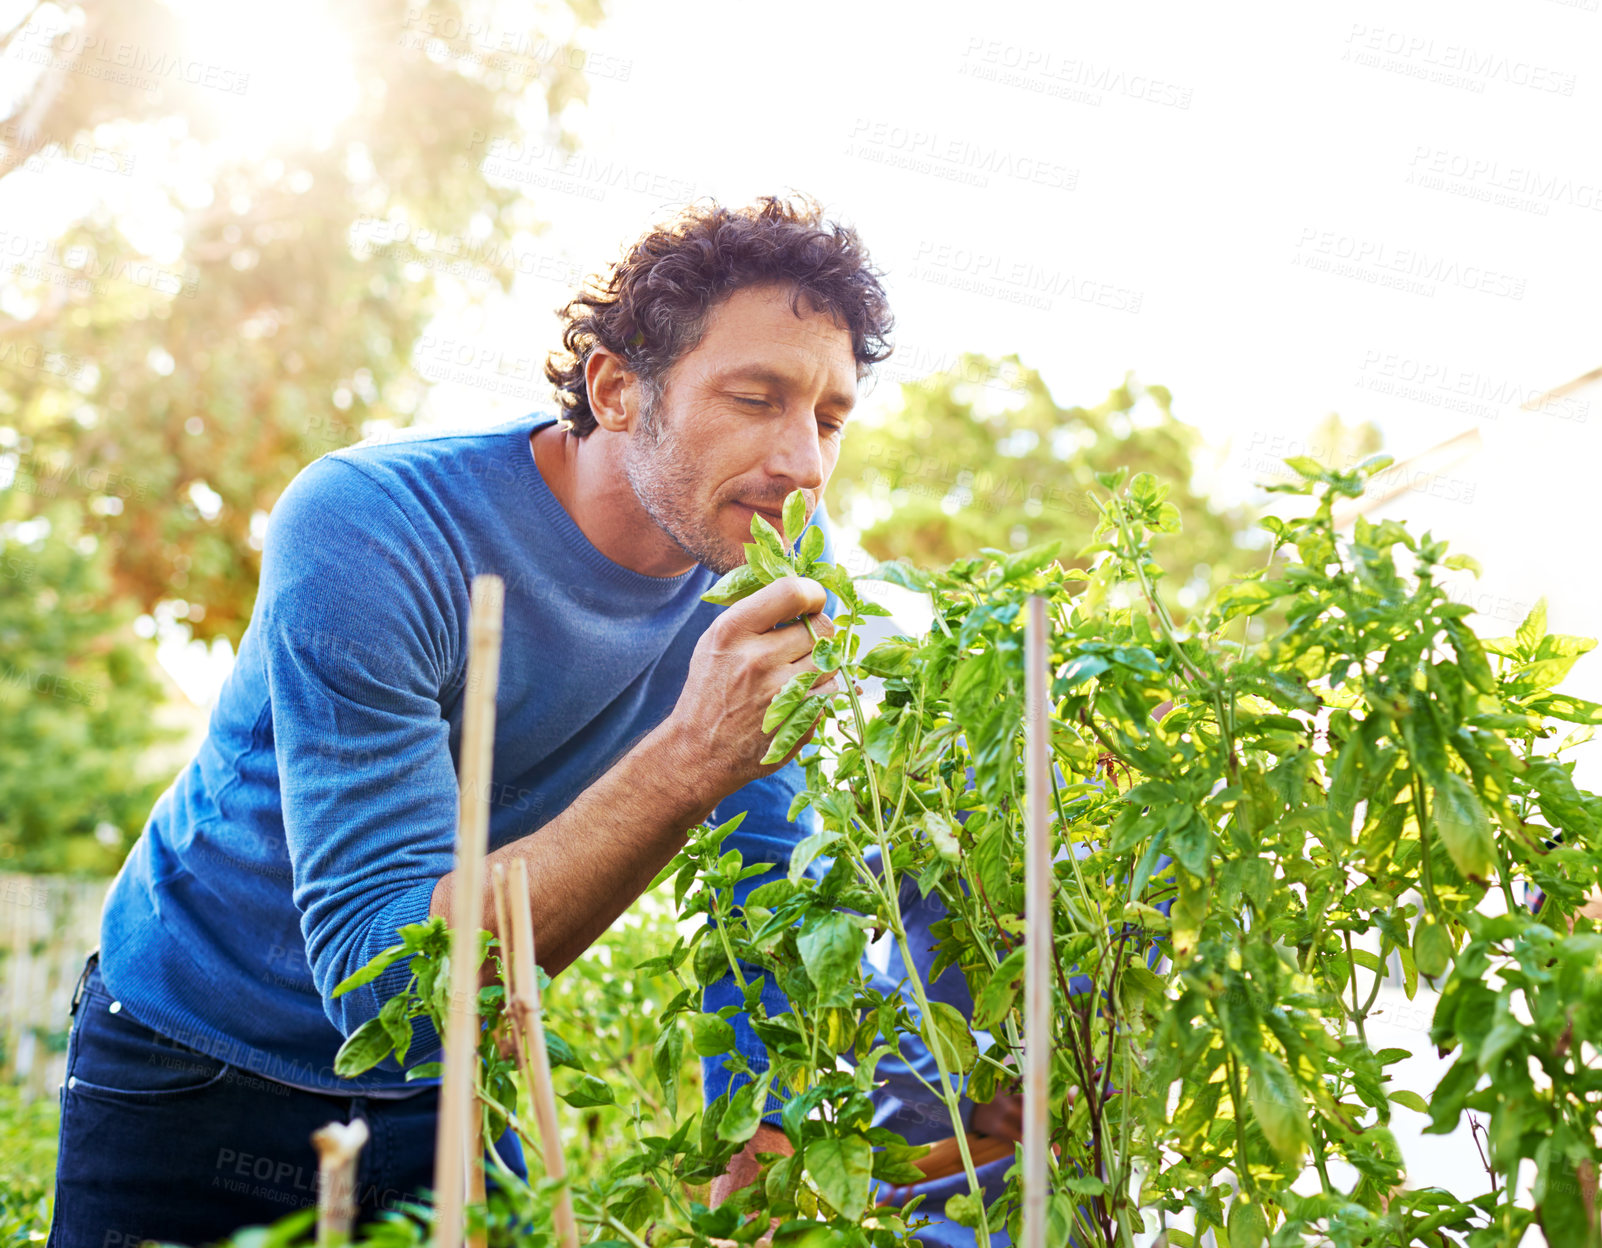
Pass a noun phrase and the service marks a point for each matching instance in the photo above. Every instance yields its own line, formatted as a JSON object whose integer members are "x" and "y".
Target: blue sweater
{"x": 320, "y": 809}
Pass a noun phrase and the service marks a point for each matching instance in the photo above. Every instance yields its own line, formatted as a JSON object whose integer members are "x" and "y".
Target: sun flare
{"x": 285, "y": 72}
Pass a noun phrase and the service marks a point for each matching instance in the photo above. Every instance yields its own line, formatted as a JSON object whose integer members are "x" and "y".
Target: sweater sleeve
{"x": 361, "y": 639}
{"x": 765, "y": 835}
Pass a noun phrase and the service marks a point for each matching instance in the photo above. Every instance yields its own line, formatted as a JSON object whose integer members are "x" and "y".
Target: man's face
{"x": 755, "y": 411}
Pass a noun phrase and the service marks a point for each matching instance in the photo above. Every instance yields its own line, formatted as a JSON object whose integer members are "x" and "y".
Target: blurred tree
{"x": 76, "y": 728}
{"x": 209, "y": 277}
{"x": 261, "y": 300}
{"x": 982, "y": 455}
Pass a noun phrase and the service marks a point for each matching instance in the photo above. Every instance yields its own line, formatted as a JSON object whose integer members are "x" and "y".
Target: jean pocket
{"x": 115, "y": 1057}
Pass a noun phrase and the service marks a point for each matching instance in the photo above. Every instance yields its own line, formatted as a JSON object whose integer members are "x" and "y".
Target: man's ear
{"x": 614, "y": 391}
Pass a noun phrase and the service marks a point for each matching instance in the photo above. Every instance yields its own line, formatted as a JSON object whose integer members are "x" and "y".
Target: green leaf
{"x": 790, "y": 696}
{"x": 963, "y": 1209}
{"x": 380, "y": 963}
{"x": 768, "y": 539}
{"x": 795, "y": 727}
{"x": 770, "y": 565}
{"x": 1530, "y": 632}
{"x": 1245, "y": 598}
{"x": 831, "y": 948}
{"x": 900, "y": 572}
{"x": 1190, "y": 839}
{"x": 667, "y": 1056}
{"x": 1471, "y": 658}
{"x": 711, "y": 961}
{"x": 363, "y": 1049}
{"x": 711, "y": 1117}
{"x": 1422, "y": 731}
{"x": 588, "y": 1091}
{"x": 1570, "y": 709}
{"x": 880, "y": 738}
{"x": 807, "y": 849}
{"x": 1278, "y": 1105}
{"x": 1306, "y": 465}
{"x": 990, "y": 863}
{"x": 942, "y": 835}
{"x": 1464, "y": 828}
{"x": 1078, "y": 670}
{"x": 811, "y": 547}
{"x": 1559, "y": 1194}
{"x": 711, "y": 1035}
{"x": 1138, "y": 985}
{"x": 842, "y": 1169}
{"x": 393, "y": 1016}
{"x": 1412, "y": 1100}
{"x": 833, "y": 576}
{"x": 772, "y": 895}
{"x": 1189, "y": 912}
{"x": 744, "y": 1114}
{"x": 1248, "y": 1227}
{"x": 795, "y": 514}
{"x": 1451, "y": 1090}
{"x": 1432, "y": 948}
{"x": 1025, "y": 562}
{"x": 949, "y": 1033}
{"x": 732, "y": 586}
{"x": 1000, "y": 990}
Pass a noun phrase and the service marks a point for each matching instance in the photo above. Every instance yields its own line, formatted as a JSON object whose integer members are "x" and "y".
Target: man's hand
{"x": 1002, "y": 1117}
{"x": 739, "y": 664}
{"x": 744, "y": 1166}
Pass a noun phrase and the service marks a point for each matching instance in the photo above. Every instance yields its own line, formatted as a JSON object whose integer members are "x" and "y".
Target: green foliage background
{"x": 148, "y": 425}
{"x": 984, "y": 456}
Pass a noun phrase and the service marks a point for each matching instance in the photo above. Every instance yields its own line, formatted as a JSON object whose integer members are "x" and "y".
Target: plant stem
{"x": 1421, "y": 813}
{"x": 1238, "y": 1102}
{"x": 1351, "y": 968}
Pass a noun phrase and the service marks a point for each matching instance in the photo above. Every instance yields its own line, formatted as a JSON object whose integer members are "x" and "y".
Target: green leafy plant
{"x": 1250, "y": 820}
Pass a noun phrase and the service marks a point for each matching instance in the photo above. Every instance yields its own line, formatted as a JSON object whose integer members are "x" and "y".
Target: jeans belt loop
{"x": 92, "y": 961}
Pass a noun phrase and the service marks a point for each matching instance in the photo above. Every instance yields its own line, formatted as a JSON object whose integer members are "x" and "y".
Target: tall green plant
{"x": 1231, "y": 878}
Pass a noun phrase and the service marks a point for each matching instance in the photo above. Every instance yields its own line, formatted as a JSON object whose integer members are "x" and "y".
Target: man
{"x": 710, "y": 375}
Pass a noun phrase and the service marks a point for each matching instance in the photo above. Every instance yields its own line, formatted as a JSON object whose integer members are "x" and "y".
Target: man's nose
{"x": 796, "y": 454}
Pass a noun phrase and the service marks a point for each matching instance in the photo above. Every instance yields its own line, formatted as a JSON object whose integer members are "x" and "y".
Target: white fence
{"x": 48, "y": 925}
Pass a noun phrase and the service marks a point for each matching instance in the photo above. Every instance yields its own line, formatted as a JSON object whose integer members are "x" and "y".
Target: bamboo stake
{"x": 503, "y": 925}
{"x": 525, "y": 1007}
{"x": 1038, "y": 943}
{"x": 338, "y": 1145}
{"x": 457, "y": 1139}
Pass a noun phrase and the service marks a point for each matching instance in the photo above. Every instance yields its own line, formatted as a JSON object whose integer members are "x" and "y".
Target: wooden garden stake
{"x": 338, "y": 1145}
{"x": 457, "y": 1153}
{"x": 524, "y": 1004}
{"x": 1038, "y": 943}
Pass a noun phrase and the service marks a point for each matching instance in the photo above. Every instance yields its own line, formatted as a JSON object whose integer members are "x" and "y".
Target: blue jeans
{"x": 160, "y": 1141}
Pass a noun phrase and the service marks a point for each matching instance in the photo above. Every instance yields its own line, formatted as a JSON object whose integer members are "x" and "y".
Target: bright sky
{"x": 1163, "y": 177}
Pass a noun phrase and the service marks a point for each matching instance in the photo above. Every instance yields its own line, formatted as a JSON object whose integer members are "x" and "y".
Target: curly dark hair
{"x": 651, "y": 309}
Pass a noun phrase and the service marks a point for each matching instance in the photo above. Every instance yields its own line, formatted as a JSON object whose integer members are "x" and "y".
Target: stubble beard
{"x": 660, "y": 472}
